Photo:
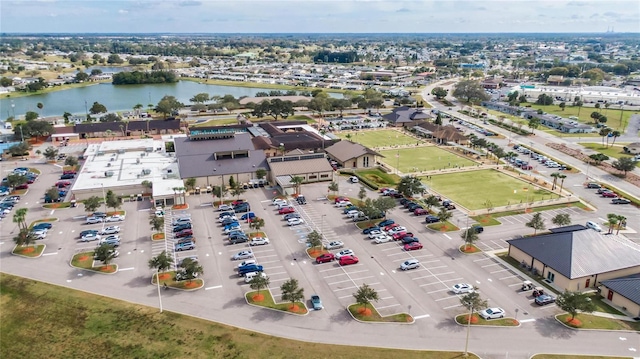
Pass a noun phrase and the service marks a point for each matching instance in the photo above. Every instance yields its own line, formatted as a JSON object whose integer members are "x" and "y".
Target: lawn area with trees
{"x": 473, "y": 189}
{"x": 423, "y": 159}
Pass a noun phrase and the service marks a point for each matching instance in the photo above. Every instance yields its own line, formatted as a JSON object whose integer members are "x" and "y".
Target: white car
{"x": 258, "y": 241}
{"x": 278, "y": 201}
{"x": 281, "y": 205}
{"x": 225, "y": 217}
{"x": 115, "y": 218}
{"x": 294, "y": 221}
{"x": 594, "y": 226}
{"x": 90, "y": 237}
{"x": 382, "y": 238}
{"x": 462, "y": 288}
{"x": 39, "y": 233}
{"x": 334, "y": 245}
{"x": 231, "y": 229}
{"x": 344, "y": 252}
{"x": 110, "y": 230}
{"x": 248, "y": 277}
{"x": 94, "y": 220}
{"x": 243, "y": 255}
{"x": 492, "y": 313}
{"x": 343, "y": 204}
{"x": 395, "y": 230}
{"x": 355, "y": 214}
{"x": 247, "y": 262}
{"x": 352, "y": 212}
{"x": 354, "y": 179}
{"x": 225, "y": 207}
{"x": 374, "y": 233}
{"x": 159, "y": 213}
{"x": 410, "y": 264}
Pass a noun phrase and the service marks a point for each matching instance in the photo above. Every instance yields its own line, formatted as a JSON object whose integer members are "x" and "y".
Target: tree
{"x": 40, "y": 105}
{"x": 30, "y": 116}
{"x": 470, "y": 91}
{"x": 469, "y": 236}
{"x": 220, "y": 191}
{"x": 256, "y": 223}
{"x": 534, "y": 123}
{"x": 562, "y": 177}
{"x": 555, "y": 179}
{"x": 362, "y": 194}
{"x": 365, "y": 295}
{"x": 439, "y": 92}
{"x": 52, "y": 194}
{"x": 258, "y": 282}
{"x": 112, "y": 200}
{"x": 384, "y": 204}
{"x": 147, "y": 184}
{"x": 237, "y": 190}
{"x": 499, "y": 153}
{"x": 544, "y": 99}
{"x": 190, "y": 183}
{"x": 200, "y": 98}
{"x": 334, "y": 187}
{"x": 410, "y": 185}
{"x": 114, "y": 59}
{"x": 232, "y": 182}
{"x": 16, "y": 179}
{"x": 598, "y": 158}
{"x": 20, "y": 217}
{"x": 50, "y": 153}
{"x": 161, "y": 262}
{"x": 473, "y": 301}
{"x": 71, "y": 161}
{"x": 97, "y": 108}
{"x": 291, "y": 292}
{"x": 105, "y": 253}
{"x": 296, "y": 181}
{"x": 444, "y": 215}
{"x": 260, "y": 173}
{"x": 438, "y": 120}
{"x": 615, "y": 135}
{"x": 612, "y": 220}
{"x": 562, "y": 105}
{"x": 111, "y": 117}
{"x": 595, "y": 115}
{"x": 167, "y": 105}
{"x": 25, "y": 238}
{"x": 20, "y": 149}
{"x": 157, "y": 223}
{"x": 536, "y": 222}
{"x": 562, "y": 219}
{"x": 431, "y": 201}
{"x": 574, "y": 302}
{"x": 92, "y": 203}
{"x": 624, "y": 164}
{"x": 81, "y": 76}
{"x": 191, "y": 268}
{"x": 314, "y": 239}
{"x": 622, "y": 222}
{"x": 579, "y": 106}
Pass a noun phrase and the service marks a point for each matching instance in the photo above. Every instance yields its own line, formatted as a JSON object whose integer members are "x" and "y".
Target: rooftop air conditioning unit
{"x": 108, "y": 174}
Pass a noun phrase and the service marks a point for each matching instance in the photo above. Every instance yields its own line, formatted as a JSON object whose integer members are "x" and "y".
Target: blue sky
{"x": 318, "y": 16}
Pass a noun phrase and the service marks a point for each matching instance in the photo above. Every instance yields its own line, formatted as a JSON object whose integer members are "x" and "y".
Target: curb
{"x": 589, "y": 329}
{"x": 413, "y": 320}
{"x": 181, "y": 289}
{"x": 92, "y": 270}
{"x": 23, "y": 256}
{"x": 480, "y": 251}
{"x": 489, "y": 326}
{"x": 275, "y": 310}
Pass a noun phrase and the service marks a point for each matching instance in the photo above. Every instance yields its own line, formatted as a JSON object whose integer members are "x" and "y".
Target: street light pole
{"x": 466, "y": 342}
{"x": 158, "y": 282}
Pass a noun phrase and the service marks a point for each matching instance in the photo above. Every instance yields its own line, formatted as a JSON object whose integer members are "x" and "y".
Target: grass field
{"x": 613, "y": 115}
{"x": 473, "y": 189}
{"x": 382, "y": 138}
{"x": 423, "y": 159}
{"x": 614, "y": 151}
{"x": 46, "y": 321}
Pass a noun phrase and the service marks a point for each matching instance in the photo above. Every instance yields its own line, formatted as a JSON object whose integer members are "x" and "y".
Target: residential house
{"x": 404, "y": 116}
{"x": 352, "y": 155}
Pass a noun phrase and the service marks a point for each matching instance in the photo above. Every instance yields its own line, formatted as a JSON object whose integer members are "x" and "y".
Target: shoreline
{"x": 18, "y": 94}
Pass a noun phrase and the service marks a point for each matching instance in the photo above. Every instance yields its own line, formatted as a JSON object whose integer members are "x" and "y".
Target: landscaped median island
{"x": 34, "y": 251}
{"x": 57, "y": 205}
{"x": 590, "y": 321}
{"x": 158, "y": 236}
{"x": 264, "y": 298}
{"x": 84, "y": 260}
{"x": 469, "y": 249}
{"x": 445, "y": 226}
{"x": 463, "y": 319}
{"x": 169, "y": 279}
{"x": 368, "y": 313}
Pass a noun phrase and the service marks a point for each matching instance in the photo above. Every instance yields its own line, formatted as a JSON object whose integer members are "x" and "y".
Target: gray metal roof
{"x": 345, "y": 150}
{"x": 628, "y": 287}
{"x": 315, "y": 165}
{"x": 581, "y": 253}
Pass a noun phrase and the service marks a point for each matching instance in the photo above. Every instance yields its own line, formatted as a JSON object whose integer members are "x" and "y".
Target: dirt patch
{"x": 574, "y": 322}
{"x": 294, "y": 308}
{"x": 107, "y": 268}
{"x": 258, "y": 298}
{"x": 366, "y": 312}
{"x": 190, "y": 284}
{"x": 164, "y": 276}
{"x": 27, "y": 250}
{"x": 83, "y": 258}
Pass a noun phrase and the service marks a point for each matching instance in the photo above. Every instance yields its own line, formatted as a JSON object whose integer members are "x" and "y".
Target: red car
{"x": 69, "y": 172}
{"x": 391, "y": 226}
{"x": 22, "y": 186}
{"x": 340, "y": 199}
{"x": 412, "y": 246}
{"x": 286, "y": 210}
{"x": 346, "y": 260}
{"x": 384, "y": 189}
{"x": 324, "y": 258}
{"x": 401, "y": 235}
{"x": 63, "y": 183}
{"x": 237, "y": 202}
{"x": 184, "y": 233}
{"x": 609, "y": 195}
{"x": 420, "y": 212}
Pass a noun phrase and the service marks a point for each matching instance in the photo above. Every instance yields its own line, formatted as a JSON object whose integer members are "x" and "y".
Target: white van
{"x": 594, "y": 226}
{"x": 249, "y": 276}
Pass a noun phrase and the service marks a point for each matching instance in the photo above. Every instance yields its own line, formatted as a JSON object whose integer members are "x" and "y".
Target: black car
{"x": 620, "y": 201}
{"x": 478, "y": 228}
{"x": 301, "y": 200}
{"x": 228, "y": 221}
{"x": 226, "y": 214}
{"x": 67, "y": 176}
{"x": 413, "y": 207}
{"x": 369, "y": 229}
{"x": 593, "y": 185}
{"x": 407, "y": 204}
{"x": 238, "y": 238}
{"x": 99, "y": 214}
{"x": 181, "y": 227}
{"x": 242, "y": 207}
{"x": 404, "y": 200}
{"x": 291, "y": 215}
{"x": 431, "y": 219}
{"x": 409, "y": 239}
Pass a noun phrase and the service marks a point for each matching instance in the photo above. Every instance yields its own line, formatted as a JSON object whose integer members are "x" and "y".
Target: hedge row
{"x": 363, "y": 180}
{"x": 510, "y": 127}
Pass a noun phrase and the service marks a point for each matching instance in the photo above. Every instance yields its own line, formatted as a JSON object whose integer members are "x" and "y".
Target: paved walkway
{"x": 613, "y": 316}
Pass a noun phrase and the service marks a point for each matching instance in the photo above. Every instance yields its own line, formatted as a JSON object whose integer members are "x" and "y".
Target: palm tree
{"x": 431, "y": 201}
{"x": 161, "y": 262}
{"x": 622, "y": 222}
{"x": 20, "y": 218}
{"x": 509, "y": 155}
{"x": 614, "y": 134}
{"x": 613, "y": 220}
{"x": 296, "y": 181}
{"x": 562, "y": 177}
{"x": 444, "y": 215}
{"x": 555, "y": 179}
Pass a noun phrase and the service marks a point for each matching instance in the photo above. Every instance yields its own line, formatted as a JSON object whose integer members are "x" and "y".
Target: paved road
{"x": 221, "y": 300}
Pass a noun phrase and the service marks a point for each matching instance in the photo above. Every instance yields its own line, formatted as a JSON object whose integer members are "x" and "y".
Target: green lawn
{"x": 613, "y": 115}
{"x": 382, "y": 138}
{"x": 614, "y": 151}
{"x": 379, "y": 177}
{"x": 423, "y": 159}
{"x": 473, "y": 189}
{"x": 82, "y": 325}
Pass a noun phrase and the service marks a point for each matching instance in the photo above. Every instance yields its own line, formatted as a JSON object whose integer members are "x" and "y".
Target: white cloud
{"x": 122, "y": 11}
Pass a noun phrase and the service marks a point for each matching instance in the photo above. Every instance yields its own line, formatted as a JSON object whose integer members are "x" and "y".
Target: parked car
{"x": 110, "y": 230}
{"x": 395, "y": 230}
{"x": 248, "y": 277}
{"x": 294, "y": 221}
{"x": 412, "y": 246}
{"x": 184, "y": 233}
{"x": 227, "y": 216}
{"x": 544, "y": 299}
{"x": 257, "y": 241}
{"x": 382, "y": 238}
{"x": 93, "y": 220}
{"x": 99, "y": 214}
{"x": 182, "y": 275}
{"x": 385, "y": 223}
{"x": 250, "y": 268}
{"x": 620, "y": 201}
{"x": 231, "y": 228}
{"x": 324, "y": 258}
{"x": 374, "y": 233}
{"x": 248, "y": 216}
{"x": 334, "y": 245}
{"x": 115, "y": 218}
{"x": 238, "y": 238}
{"x": 431, "y": 219}
{"x": 343, "y": 203}
{"x": 22, "y": 186}
{"x": 277, "y": 201}
{"x": 492, "y": 313}
{"x": 340, "y": 199}
{"x": 410, "y": 264}
{"x": 225, "y": 207}
{"x": 243, "y": 255}
{"x": 420, "y": 212}
{"x": 181, "y": 227}
{"x": 43, "y": 225}
{"x": 346, "y": 260}
{"x": 301, "y": 200}
{"x": 478, "y": 228}
{"x": 184, "y": 246}
{"x": 286, "y": 210}
{"x": 316, "y": 302}
{"x": 609, "y": 195}
{"x": 291, "y": 215}
{"x": 39, "y": 233}
{"x": 407, "y": 239}
{"x": 114, "y": 254}
{"x": 369, "y": 229}
{"x": 461, "y": 288}
{"x": 67, "y": 176}
{"x": 113, "y": 240}
{"x": 344, "y": 252}
{"x": 228, "y": 221}
{"x": 593, "y": 185}
{"x": 243, "y": 207}
{"x": 594, "y": 226}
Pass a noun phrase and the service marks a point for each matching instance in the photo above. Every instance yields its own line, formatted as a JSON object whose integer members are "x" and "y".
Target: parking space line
{"x": 387, "y": 306}
{"x": 334, "y": 275}
{"x": 354, "y": 279}
{"x": 346, "y": 296}
{"x": 438, "y": 267}
{"x": 452, "y": 306}
{"x": 397, "y": 254}
{"x": 490, "y": 265}
{"x": 339, "y": 289}
{"x": 498, "y": 271}
{"x": 276, "y": 261}
{"x": 277, "y": 280}
{"x": 338, "y": 282}
{"x": 511, "y": 276}
{"x": 445, "y": 298}
{"x": 438, "y": 290}
{"x": 277, "y": 273}
{"x": 385, "y": 298}
{"x": 328, "y": 269}
{"x": 482, "y": 259}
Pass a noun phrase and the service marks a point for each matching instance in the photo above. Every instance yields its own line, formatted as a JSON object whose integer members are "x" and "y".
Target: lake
{"x": 117, "y": 98}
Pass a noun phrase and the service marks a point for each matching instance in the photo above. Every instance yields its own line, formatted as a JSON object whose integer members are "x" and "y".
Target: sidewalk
{"x": 613, "y": 316}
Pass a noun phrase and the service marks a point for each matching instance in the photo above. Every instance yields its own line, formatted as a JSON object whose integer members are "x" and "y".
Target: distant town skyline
{"x": 319, "y": 16}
